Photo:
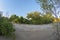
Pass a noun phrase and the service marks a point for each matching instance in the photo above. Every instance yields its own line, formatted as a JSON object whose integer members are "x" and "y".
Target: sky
{"x": 18, "y": 7}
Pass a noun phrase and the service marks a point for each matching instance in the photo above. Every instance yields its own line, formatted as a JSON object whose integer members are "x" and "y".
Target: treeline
{"x": 33, "y": 18}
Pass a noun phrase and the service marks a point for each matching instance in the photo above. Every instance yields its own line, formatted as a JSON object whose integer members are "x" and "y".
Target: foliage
{"x": 6, "y": 28}
{"x": 50, "y": 6}
{"x": 14, "y": 19}
{"x": 33, "y": 18}
{"x": 24, "y": 20}
{"x": 21, "y": 19}
{"x": 33, "y": 15}
{"x": 37, "y": 18}
{"x": 48, "y": 18}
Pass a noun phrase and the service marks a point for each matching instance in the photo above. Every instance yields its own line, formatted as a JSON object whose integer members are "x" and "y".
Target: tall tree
{"x": 14, "y": 18}
{"x": 35, "y": 17}
{"x": 48, "y": 18}
{"x": 51, "y": 6}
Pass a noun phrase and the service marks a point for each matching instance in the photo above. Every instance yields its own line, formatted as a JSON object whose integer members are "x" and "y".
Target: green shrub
{"x": 6, "y": 28}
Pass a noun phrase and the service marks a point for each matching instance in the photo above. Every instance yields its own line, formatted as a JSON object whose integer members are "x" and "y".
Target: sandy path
{"x": 33, "y": 32}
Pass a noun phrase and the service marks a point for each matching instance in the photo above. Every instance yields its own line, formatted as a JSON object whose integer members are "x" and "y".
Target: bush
{"x": 6, "y": 28}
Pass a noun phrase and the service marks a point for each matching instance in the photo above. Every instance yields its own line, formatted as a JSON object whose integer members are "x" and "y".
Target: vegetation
{"x": 33, "y": 18}
{"x": 38, "y": 18}
{"x": 6, "y": 27}
{"x": 50, "y": 6}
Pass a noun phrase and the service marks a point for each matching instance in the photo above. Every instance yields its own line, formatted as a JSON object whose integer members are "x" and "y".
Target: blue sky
{"x": 18, "y": 7}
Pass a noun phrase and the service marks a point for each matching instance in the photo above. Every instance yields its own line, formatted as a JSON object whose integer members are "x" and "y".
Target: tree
{"x": 21, "y": 19}
{"x": 51, "y": 6}
{"x": 48, "y": 18}
{"x": 35, "y": 17}
{"x": 14, "y": 18}
{"x": 38, "y": 18}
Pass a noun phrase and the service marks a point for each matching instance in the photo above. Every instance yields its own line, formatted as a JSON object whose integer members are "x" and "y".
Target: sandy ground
{"x": 33, "y": 32}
